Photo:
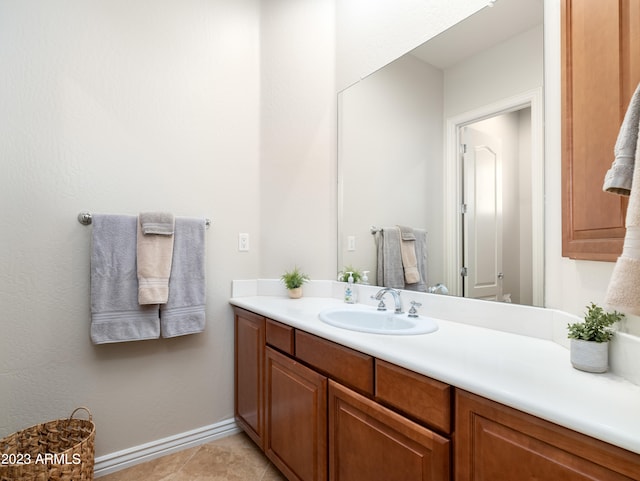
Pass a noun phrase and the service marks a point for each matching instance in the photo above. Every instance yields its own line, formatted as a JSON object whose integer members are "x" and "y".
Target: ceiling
{"x": 486, "y": 28}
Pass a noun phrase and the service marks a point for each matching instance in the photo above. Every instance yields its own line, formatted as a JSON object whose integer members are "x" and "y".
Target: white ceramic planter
{"x": 295, "y": 293}
{"x": 590, "y": 356}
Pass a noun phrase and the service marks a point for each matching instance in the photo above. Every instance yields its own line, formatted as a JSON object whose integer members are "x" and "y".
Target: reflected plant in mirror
{"x": 400, "y": 164}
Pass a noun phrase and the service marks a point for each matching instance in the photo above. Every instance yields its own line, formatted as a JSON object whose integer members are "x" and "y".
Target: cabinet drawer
{"x": 422, "y": 398}
{"x": 280, "y": 336}
{"x": 341, "y": 363}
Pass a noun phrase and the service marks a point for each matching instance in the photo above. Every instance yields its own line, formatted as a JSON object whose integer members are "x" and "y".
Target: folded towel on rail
{"x": 155, "y": 254}
{"x": 389, "y": 266}
{"x": 160, "y": 223}
{"x": 618, "y": 178}
{"x": 421, "y": 261}
{"x": 408, "y": 254}
{"x": 184, "y": 312}
{"x": 116, "y": 315}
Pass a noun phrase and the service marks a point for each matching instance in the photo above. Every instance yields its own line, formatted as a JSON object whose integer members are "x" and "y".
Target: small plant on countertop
{"x": 596, "y": 326}
{"x": 344, "y": 274}
{"x": 294, "y": 278}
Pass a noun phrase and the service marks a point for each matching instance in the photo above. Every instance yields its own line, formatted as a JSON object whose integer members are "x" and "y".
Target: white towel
{"x": 155, "y": 253}
{"x": 619, "y": 177}
{"x": 184, "y": 312}
{"x": 116, "y": 315}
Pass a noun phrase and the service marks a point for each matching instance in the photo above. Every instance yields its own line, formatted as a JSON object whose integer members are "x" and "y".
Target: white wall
{"x": 121, "y": 107}
{"x": 298, "y": 129}
{"x": 391, "y": 132}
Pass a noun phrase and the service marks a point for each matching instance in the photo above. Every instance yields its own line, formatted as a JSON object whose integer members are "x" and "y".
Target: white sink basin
{"x": 377, "y": 322}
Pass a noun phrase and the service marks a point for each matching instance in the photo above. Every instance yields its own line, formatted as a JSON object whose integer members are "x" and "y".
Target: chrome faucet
{"x": 396, "y": 297}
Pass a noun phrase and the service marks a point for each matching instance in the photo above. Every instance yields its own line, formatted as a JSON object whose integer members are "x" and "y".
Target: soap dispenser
{"x": 365, "y": 278}
{"x": 349, "y": 290}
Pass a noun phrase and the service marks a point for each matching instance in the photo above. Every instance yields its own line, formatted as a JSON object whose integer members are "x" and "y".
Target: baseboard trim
{"x": 126, "y": 458}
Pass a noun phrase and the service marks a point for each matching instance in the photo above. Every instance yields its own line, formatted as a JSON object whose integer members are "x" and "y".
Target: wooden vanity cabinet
{"x": 498, "y": 443}
{"x": 249, "y": 373}
{"x": 370, "y": 442}
{"x": 296, "y": 418}
{"x": 600, "y": 48}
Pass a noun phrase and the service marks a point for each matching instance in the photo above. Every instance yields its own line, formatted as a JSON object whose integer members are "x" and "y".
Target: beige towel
{"x": 154, "y": 257}
{"x": 623, "y": 293}
{"x": 408, "y": 252}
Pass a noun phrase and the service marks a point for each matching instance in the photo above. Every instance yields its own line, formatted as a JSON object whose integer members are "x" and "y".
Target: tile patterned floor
{"x": 234, "y": 458}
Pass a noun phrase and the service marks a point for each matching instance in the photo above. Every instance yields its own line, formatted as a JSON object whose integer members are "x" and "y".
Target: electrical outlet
{"x": 351, "y": 243}
{"x": 243, "y": 242}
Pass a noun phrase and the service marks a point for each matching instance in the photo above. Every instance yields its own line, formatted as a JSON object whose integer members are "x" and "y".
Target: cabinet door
{"x": 296, "y": 418}
{"x": 497, "y": 443}
{"x": 600, "y": 71}
{"x": 369, "y": 442}
{"x": 249, "y": 368}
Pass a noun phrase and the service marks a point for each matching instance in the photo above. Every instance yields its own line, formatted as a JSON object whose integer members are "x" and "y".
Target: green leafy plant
{"x": 294, "y": 278}
{"x": 344, "y": 274}
{"x": 596, "y": 326}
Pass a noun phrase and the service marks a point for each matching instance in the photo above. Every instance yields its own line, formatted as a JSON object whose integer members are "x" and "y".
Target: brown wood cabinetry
{"x": 350, "y": 367}
{"x": 426, "y": 400}
{"x": 249, "y": 373}
{"x": 370, "y": 442}
{"x": 600, "y": 71}
{"x": 311, "y": 406}
{"x": 296, "y": 418}
{"x": 497, "y": 443}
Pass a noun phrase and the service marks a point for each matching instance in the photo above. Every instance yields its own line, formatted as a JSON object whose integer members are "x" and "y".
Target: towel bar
{"x": 85, "y": 219}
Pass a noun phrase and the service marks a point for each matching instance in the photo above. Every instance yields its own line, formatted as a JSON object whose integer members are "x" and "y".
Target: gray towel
{"x": 421, "y": 257}
{"x": 159, "y": 223}
{"x": 184, "y": 312}
{"x": 116, "y": 315}
{"x": 619, "y": 177}
{"x": 389, "y": 265}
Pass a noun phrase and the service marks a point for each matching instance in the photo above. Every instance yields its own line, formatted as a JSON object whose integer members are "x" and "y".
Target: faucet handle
{"x": 413, "y": 312}
{"x": 381, "y": 304}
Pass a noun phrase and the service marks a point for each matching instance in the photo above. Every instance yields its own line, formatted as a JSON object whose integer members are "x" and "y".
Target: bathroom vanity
{"x": 328, "y": 403}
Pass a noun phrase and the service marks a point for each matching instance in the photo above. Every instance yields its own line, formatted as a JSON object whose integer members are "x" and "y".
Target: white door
{"x": 482, "y": 220}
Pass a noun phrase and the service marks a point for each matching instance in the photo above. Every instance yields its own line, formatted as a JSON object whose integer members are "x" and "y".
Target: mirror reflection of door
{"x": 497, "y": 247}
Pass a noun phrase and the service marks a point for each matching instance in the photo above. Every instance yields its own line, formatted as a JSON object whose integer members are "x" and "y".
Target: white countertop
{"x": 528, "y": 373}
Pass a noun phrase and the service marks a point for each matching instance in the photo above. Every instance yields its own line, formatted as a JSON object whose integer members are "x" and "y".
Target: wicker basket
{"x": 61, "y": 450}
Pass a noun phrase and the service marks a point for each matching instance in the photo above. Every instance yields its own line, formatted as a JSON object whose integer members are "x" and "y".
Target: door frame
{"x": 453, "y": 187}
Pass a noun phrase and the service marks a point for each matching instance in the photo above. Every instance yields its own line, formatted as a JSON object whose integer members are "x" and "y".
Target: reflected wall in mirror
{"x": 395, "y": 160}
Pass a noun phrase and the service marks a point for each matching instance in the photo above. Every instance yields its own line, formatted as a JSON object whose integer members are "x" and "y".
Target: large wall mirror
{"x": 448, "y": 139}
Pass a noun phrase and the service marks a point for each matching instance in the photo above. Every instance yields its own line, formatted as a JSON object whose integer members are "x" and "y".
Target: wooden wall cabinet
{"x": 497, "y": 443}
{"x": 600, "y": 71}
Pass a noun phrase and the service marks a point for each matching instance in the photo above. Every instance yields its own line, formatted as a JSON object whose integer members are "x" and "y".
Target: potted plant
{"x": 343, "y": 276}
{"x": 590, "y": 339}
{"x": 293, "y": 281}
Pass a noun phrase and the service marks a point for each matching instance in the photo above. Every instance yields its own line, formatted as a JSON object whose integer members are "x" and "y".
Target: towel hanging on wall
{"x": 116, "y": 315}
{"x": 184, "y": 312}
{"x": 618, "y": 179}
{"x": 391, "y": 270}
{"x": 154, "y": 256}
{"x": 623, "y": 292}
